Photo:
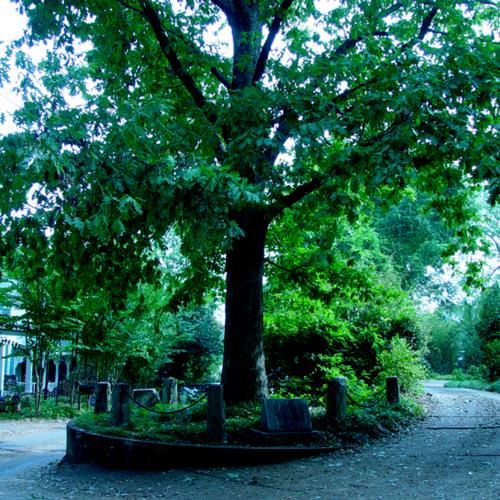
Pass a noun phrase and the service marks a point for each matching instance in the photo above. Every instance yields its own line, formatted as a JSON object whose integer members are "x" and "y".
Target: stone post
{"x": 28, "y": 381}
{"x": 2, "y": 369}
{"x": 336, "y": 401}
{"x": 216, "y": 420}
{"x": 392, "y": 389}
{"x": 102, "y": 398}
{"x": 169, "y": 393}
{"x": 120, "y": 410}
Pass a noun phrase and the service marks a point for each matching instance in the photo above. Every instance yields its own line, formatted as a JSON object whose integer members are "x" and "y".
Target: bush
{"x": 491, "y": 358}
{"x": 479, "y": 373}
{"x": 401, "y": 361}
{"x": 479, "y": 385}
{"x": 48, "y": 409}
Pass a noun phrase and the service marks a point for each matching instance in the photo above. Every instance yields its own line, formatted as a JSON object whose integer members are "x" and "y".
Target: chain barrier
{"x": 315, "y": 401}
{"x": 380, "y": 396}
{"x": 172, "y": 412}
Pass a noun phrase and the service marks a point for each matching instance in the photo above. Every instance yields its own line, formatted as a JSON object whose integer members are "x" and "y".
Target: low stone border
{"x": 122, "y": 453}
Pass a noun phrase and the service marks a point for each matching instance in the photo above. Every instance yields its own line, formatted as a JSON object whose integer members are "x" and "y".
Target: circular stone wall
{"x": 121, "y": 453}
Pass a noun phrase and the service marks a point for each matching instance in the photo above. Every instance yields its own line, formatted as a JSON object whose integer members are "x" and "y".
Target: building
{"x": 16, "y": 368}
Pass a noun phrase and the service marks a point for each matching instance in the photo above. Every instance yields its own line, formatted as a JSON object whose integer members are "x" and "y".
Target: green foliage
{"x": 491, "y": 358}
{"x": 48, "y": 409}
{"x": 478, "y": 373}
{"x": 414, "y": 238}
{"x": 333, "y": 300}
{"x": 381, "y": 419}
{"x": 485, "y": 329}
{"x": 196, "y": 351}
{"x": 444, "y": 344}
{"x": 173, "y": 132}
{"x": 148, "y": 340}
{"x": 471, "y": 383}
{"x": 466, "y": 334}
{"x": 401, "y": 361}
{"x": 190, "y": 426}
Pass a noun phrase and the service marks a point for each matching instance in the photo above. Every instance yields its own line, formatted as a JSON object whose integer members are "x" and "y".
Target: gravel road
{"x": 453, "y": 454}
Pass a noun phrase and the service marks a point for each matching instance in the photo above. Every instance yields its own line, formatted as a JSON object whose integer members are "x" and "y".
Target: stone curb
{"x": 123, "y": 453}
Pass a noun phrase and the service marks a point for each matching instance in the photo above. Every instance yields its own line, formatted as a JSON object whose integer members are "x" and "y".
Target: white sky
{"x": 11, "y": 22}
{"x": 12, "y": 25}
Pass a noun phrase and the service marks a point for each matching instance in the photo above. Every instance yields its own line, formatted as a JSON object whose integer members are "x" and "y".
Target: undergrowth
{"x": 48, "y": 409}
{"x": 479, "y": 385}
{"x": 190, "y": 426}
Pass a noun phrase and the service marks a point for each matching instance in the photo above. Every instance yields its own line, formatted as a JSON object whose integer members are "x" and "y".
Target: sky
{"x": 11, "y": 27}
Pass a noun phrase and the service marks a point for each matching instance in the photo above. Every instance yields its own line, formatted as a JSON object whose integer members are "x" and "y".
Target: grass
{"x": 186, "y": 427}
{"x": 480, "y": 385}
{"x": 190, "y": 426}
{"x": 474, "y": 377}
{"x": 439, "y": 376}
{"x": 48, "y": 409}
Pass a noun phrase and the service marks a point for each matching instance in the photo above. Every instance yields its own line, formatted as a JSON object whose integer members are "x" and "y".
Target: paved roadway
{"x": 25, "y": 445}
{"x": 454, "y": 454}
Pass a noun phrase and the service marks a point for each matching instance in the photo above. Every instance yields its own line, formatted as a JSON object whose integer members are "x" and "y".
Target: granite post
{"x": 392, "y": 389}
{"x": 102, "y": 398}
{"x": 336, "y": 401}
{"x": 216, "y": 420}
{"x": 120, "y": 410}
{"x": 169, "y": 392}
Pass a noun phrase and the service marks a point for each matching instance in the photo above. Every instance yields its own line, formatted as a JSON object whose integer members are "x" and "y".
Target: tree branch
{"x": 225, "y": 5}
{"x": 350, "y": 43}
{"x": 282, "y": 134}
{"x": 296, "y": 274}
{"x": 344, "y": 95}
{"x": 493, "y": 272}
{"x": 273, "y": 31}
{"x": 131, "y": 7}
{"x": 426, "y": 23}
{"x": 424, "y": 28}
{"x": 161, "y": 36}
{"x": 319, "y": 180}
{"x": 222, "y": 79}
{"x": 296, "y": 195}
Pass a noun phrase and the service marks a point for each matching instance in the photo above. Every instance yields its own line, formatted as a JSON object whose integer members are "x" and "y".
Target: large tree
{"x": 216, "y": 116}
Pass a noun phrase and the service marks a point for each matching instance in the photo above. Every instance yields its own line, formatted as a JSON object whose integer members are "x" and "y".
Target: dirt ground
{"x": 453, "y": 454}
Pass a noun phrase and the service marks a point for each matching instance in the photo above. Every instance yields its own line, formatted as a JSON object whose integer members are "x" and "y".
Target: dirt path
{"x": 454, "y": 454}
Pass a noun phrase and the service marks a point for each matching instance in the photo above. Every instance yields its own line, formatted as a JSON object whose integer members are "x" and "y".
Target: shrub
{"x": 492, "y": 358}
{"x": 401, "y": 361}
{"x": 48, "y": 409}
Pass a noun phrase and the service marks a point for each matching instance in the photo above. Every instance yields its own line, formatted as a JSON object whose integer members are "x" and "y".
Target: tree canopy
{"x": 215, "y": 117}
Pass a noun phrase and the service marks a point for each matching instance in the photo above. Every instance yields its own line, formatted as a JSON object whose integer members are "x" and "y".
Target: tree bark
{"x": 244, "y": 374}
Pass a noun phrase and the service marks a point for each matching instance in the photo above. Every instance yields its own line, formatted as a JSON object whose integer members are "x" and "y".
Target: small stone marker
{"x": 336, "y": 401}
{"x": 169, "y": 392}
{"x": 120, "y": 410}
{"x": 146, "y": 397}
{"x": 392, "y": 389}
{"x": 285, "y": 415}
{"x": 102, "y": 398}
{"x": 216, "y": 418}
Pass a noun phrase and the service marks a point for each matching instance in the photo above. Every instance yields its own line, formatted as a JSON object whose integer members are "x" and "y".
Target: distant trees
{"x": 487, "y": 326}
{"x": 333, "y": 302}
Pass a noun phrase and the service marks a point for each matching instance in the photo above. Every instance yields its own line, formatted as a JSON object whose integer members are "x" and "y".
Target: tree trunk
{"x": 244, "y": 374}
